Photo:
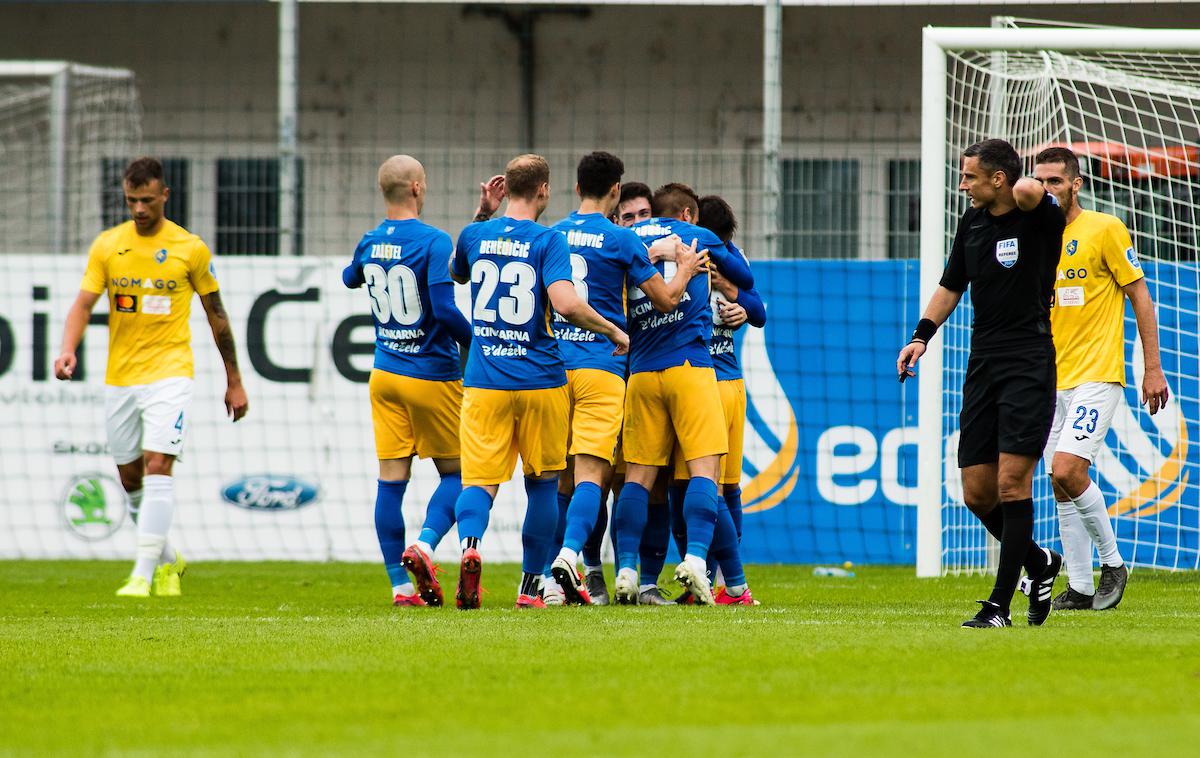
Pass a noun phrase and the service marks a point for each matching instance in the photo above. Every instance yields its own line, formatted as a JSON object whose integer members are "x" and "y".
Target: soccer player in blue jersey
{"x": 673, "y": 398}
{"x": 516, "y": 397}
{"x": 416, "y": 384}
{"x": 605, "y": 259}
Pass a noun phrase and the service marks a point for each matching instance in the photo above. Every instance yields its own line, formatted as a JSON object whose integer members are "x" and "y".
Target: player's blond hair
{"x": 524, "y": 174}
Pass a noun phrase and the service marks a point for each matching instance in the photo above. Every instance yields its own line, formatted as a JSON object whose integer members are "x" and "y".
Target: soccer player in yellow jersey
{"x": 1097, "y": 271}
{"x": 150, "y": 267}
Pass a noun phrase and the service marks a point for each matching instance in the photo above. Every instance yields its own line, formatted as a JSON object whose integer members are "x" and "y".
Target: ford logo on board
{"x": 269, "y": 492}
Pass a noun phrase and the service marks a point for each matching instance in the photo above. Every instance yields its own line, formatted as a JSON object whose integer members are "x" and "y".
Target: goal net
{"x": 1128, "y": 103}
{"x": 62, "y": 127}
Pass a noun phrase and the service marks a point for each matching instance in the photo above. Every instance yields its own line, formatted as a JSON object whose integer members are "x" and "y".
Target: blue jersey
{"x": 659, "y": 341}
{"x": 511, "y": 263}
{"x": 721, "y": 345}
{"x": 603, "y": 257}
{"x": 401, "y": 262}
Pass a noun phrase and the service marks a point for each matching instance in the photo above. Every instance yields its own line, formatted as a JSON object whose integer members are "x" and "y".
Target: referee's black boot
{"x": 1041, "y": 590}
{"x": 989, "y": 616}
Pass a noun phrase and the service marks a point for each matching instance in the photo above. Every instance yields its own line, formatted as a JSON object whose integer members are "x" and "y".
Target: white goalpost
{"x": 59, "y": 121}
{"x": 1128, "y": 102}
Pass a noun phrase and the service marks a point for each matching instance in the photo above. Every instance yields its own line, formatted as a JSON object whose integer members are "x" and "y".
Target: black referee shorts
{"x": 1008, "y": 405}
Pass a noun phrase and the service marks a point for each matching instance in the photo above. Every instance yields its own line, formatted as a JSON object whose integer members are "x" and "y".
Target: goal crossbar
{"x": 937, "y": 42}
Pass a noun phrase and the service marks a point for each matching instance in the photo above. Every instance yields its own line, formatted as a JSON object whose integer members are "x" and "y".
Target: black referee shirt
{"x": 1010, "y": 262}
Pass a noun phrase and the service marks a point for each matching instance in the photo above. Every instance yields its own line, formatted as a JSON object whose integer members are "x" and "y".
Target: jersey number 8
{"x": 394, "y": 294}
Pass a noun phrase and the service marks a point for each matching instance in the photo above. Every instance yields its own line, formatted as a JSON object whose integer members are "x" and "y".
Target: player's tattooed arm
{"x": 1154, "y": 381}
{"x": 236, "y": 403}
{"x": 491, "y": 193}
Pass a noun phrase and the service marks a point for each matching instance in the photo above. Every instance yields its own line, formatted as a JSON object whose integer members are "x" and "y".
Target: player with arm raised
{"x": 150, "y": 267}
{"x": 1006, "y": 248}
{"x": 672, "y": 399}
{"x": 515, "y": 398}
{"x": 605, "y": 259}
{"x": 1097, "y": 271}
{"x": 416, "y": 383}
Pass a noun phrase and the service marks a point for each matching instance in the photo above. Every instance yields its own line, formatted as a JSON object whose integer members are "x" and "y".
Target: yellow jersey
{"x": 150, "y": 281}
{"x": 1088, "y": 312}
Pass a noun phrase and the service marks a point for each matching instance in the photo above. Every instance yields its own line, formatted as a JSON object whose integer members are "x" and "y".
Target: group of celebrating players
{"x": 589, "y": 343}
{"x": 600, "y": 352}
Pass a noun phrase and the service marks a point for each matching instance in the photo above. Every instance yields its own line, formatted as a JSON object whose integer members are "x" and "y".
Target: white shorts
{"x": 1082, "y": 416}
{"x": 150, "y": 417}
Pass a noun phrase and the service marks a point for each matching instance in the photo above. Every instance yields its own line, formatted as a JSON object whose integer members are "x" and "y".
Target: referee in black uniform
{"x": 1006, "y": 248}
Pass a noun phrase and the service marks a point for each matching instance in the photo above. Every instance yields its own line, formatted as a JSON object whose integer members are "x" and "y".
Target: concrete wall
{"x": 676, "y": 89}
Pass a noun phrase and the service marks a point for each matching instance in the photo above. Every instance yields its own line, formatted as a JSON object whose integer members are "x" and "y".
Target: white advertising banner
{"x": 293, "y": 480}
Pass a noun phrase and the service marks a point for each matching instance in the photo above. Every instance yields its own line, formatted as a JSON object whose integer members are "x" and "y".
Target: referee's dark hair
{"x": 1063, "y": 155}
{"x": 597, "y": 173}
{"x": 672, "y": 199}
{"x": 996, "y": 155}
{"x": 630, "y": 190}
{"x": 717, "y": 217}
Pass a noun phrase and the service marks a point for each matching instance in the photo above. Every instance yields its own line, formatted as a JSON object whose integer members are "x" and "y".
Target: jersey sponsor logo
{"x": 270, "y": 492}
{"x": 1072, "y": 273}
{"x": 1007, "y": 253}
{"x": 123, "y": 282}
{"x": 385, "y": 252}
{"x": 1072, "y": 246}
{"x": 1069, "y": 296}
{"x": 125, "y": 303}
{"x": 157, "y": 305}
{"x": 1131, "y": 256}
{"x": 161, "y": 255}
{"x": 93, "y": 506}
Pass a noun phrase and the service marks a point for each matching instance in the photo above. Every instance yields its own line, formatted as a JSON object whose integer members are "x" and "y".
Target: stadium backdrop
{"x": 831, "y": 439}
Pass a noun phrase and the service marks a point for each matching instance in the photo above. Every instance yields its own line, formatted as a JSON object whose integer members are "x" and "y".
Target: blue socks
{"x": 439, "y": 517}
{"x": 678, "y": 526}
{"x": 471, "y": 511}
{"x": 389, "y": 527}
{"x": 541, "y": 519}
{"x": 725, "y": 548}
{"x": 581, "y": 515}
{"x": 653, "y": 549}
{"x": 733, "y": 500}
{"x": 564, "y": 502}
{"x": 629, "y": 521}
{"x": 700, "y": 514}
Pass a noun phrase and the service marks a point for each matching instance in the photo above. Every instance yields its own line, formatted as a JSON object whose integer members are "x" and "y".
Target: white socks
{"x": 1094, "y": 514}
{"x": 425, "y": 548}
{"x": 1083, "y": 522}
{"x": 569, "y": 555}
{"x": 135, "y": 507}
{"x": 404, "y": 589}
{"x": 1077, "y": 548}
{"x": 153, "y": 522}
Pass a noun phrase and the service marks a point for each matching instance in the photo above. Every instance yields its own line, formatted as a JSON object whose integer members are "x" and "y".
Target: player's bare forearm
{"x": 222, "y": 331}
{"x": 1154, "y": 381}
{"x": 77, "y": 321}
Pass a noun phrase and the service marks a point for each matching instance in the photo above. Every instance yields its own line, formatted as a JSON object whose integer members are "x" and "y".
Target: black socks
{"x": 1016, "y": 546}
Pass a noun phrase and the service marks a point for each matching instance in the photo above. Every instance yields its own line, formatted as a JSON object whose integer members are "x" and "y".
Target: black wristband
{"x": 925, "y": 330}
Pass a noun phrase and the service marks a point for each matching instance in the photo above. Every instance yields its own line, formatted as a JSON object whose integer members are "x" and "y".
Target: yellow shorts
{"x": 681, "y": 404}
{"x": 414, "y": 416}
{"x": 733, "y": 404}
{"x": 597, "y": 404}
{"x": 497, "y": 425}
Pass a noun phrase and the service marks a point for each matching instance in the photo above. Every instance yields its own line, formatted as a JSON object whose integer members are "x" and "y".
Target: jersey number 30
{"x": 394, "y": 294}
{"x": 518, "y": 305}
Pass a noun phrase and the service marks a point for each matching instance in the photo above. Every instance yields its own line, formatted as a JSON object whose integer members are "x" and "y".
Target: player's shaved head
{"x": 671, "y": 200}
{"x": 397, "y": 175}
{"x": 525, "y": 174}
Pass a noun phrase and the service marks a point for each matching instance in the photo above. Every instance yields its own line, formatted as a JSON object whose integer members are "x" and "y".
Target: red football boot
{"x": 724, "y": 598}
{"x": 529, "y": 601}
{"x": 408, "y": 600}
{"x": 469, "y": 571}
{"x": 424, "y": 573}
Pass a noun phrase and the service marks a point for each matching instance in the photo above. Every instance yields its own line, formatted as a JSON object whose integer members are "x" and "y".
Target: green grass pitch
{"x": 311, "y": 659}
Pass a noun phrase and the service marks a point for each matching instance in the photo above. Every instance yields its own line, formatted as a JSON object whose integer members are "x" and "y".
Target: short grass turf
{"x": 311, "y": 659}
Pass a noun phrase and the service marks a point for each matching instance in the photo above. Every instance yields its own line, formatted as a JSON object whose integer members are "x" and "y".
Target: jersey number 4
{"x": 515, "y": 308}
{"x": 394, "y": 294}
